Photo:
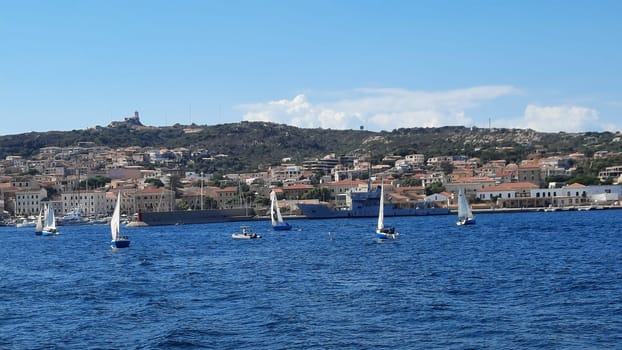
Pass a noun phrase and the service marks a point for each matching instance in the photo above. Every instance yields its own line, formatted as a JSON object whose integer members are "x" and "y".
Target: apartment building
{"x": 28, "y": 201}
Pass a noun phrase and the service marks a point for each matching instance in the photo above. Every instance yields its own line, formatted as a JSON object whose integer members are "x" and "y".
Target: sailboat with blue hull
{"x": 382, "y": 231}
{"x": 117, "y": 241}
{"x": 465, "y": 215}
{"x": 278, "y": 224}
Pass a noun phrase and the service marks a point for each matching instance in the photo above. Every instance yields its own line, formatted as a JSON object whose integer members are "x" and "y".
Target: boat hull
{"x": 282, "y": 227}
{"x": 387, "y": 235}
{"x": 241, "y": 236}
{"x": 183, "y": 217}
{"x": 245, "y": 234}
{"x": 73, "y": 222}
{"x": 120, "y": 243}
{"x": 466, "y": 222}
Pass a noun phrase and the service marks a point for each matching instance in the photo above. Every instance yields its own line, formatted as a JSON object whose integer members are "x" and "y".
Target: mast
{"x": 201, "y": 190}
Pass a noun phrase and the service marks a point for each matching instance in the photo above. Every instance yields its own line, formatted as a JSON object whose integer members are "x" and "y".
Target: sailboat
{"x": 278, "y": 224}
{"x": 49, "y": 222}
{"x": 382, "y": 231}
{"x": 117, "y": 241}
{"x": 39, "y": 225}
{"x": 465, "y": 215}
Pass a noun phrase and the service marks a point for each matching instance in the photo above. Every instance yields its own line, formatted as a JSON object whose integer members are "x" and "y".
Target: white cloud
{"x": 558, "y": 118}
{"x": 561, "y": 118}
{"x": 378, "y": 109}
{"x": 297, "y": 111}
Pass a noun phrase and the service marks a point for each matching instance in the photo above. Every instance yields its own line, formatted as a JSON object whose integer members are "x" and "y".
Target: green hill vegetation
{"x": 250, "y": 146}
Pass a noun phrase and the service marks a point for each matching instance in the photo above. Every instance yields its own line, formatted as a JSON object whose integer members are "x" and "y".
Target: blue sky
{"x": 546, "y": 65}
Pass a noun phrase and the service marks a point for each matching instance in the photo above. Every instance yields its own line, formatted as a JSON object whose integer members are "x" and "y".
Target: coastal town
{"x": 81, "y": 183}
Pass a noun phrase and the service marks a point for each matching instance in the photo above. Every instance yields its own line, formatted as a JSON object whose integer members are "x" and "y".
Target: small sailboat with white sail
{"x": 465, "y": 215}
{"x": 278, "y": 224}
{"x": 49, "y": 222}
{"x": 39, "y": 225}
{"x": 383, "y": 231}
{"x": 117, "y": 241}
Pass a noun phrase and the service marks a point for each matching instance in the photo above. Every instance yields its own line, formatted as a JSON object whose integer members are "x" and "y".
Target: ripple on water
{"x": 531, "y": 280}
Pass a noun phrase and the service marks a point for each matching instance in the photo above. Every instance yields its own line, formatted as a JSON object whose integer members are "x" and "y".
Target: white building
{"x": 28, "y": 202}
{"x": 611, "y": 171}
{"x": 91, "y": 203}
{"x": 415, "y": 159}
{"x": 578, "y": 194}
{"x": 286, "y": 173}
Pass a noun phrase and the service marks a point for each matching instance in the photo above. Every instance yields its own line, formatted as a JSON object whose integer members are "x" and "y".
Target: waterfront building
{"x": 90, "y": 202}
{"x": 154, "y": 199}
{"x": 28, "y": 201}
{"x": 506, "y": 191}
{"x": 228, "y": 197}
{"x": 295, "y": 191}
{"x": 527, "y": 195}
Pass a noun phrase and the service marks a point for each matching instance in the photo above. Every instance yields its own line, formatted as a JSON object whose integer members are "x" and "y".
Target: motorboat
{"x": 245, "y": 234}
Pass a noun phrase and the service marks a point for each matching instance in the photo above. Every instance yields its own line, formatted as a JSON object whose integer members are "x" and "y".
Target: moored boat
{"x": 74, "y": 217}
{"x": 26, "y": 222}
{"x": 184, "y": 217}
{"x": 366, "y": 204}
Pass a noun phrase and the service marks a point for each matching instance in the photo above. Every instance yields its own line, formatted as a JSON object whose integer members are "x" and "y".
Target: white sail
{"x": 49, "y": 222}
{"x": 464, "y": 210}
{"x": 39, "y": 226}
{"x": 116, "y": 219}
{"x": 275, "y": 212}
{"x": 381, "y": 210}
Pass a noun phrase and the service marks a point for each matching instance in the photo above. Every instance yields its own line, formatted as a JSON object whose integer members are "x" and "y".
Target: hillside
{"x": 253, "y": 145}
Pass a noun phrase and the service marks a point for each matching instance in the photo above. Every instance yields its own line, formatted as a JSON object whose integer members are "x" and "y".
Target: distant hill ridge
{"x": 256, "y": 144}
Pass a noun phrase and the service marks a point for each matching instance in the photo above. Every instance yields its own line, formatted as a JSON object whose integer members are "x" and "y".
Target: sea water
{"x": 521, "y": 280}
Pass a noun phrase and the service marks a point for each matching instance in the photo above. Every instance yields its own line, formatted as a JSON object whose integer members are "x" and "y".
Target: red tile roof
{"x": 512, "y": 186}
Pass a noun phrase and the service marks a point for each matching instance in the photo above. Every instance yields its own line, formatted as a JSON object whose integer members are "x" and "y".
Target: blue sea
{"x": 515, "y": 280}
